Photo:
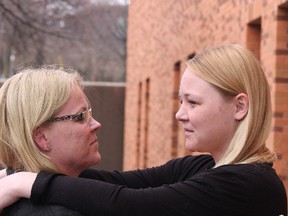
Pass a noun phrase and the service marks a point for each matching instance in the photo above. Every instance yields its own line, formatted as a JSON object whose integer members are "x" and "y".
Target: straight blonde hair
{"x": 27, "y": 100}
{"x": 233, "y": 69}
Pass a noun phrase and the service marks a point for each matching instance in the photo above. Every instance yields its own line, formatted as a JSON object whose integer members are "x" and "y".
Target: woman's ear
{"x": 242, "y": 106}
{"x": 40, "y": 139}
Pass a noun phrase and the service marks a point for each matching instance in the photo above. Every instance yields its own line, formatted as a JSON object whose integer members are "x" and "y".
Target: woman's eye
{"x": 192, "y": 103}
{"x": 80, "y": 117}
{"x": 187, "y": 101}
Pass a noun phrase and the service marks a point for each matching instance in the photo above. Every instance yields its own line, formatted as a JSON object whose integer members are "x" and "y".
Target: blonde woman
{"x": 46, "y": 125}
{"x": 226, "y": 111}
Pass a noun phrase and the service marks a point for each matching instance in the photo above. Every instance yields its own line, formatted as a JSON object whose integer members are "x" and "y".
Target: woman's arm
{"x": 171, "y": 172}
{"x": 78, "y": 194}
{"x": 89, "y": 195}
{"x": 15, "y": 186}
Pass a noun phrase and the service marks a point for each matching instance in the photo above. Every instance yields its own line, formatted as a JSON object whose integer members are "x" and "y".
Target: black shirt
{"x": 185, "y": 186}
{"x": 25, "y": 208}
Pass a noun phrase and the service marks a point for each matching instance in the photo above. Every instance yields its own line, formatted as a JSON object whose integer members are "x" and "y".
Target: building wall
{"x": 163, "y": 34}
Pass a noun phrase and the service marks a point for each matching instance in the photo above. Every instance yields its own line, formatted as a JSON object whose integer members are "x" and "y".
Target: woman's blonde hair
{"x": 233, "y": 69}
{"x": 27, "y": 100}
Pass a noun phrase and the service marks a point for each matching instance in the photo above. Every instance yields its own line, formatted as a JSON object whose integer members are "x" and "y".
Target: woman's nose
{"x": 181, "y": 114}
{"x": 94, "y": 124}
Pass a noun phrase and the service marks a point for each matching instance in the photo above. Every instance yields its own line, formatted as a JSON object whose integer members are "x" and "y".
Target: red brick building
{"x": 163, "y": 34}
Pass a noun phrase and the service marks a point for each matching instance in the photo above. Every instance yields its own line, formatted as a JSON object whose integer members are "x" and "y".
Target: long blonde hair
{"x": 27, "y": 100}
{"x": 233, "y": 69}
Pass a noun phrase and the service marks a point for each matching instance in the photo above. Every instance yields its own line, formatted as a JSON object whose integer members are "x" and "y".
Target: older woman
{"x": 46, "y": 125}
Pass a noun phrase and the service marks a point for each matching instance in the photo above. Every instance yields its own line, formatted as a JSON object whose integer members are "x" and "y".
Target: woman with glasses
{"x": 46, "y": 125}
{"x": 225, "y": 110}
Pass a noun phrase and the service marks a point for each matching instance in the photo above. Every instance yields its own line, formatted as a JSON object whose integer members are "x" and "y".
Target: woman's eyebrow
{"x": 190, "y": 95}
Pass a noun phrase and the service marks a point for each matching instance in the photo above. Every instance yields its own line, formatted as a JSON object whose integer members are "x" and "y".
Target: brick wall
{"x": 162, "y": 34}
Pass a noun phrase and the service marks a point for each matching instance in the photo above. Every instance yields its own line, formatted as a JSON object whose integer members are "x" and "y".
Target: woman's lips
{"x": 188, "y": 131}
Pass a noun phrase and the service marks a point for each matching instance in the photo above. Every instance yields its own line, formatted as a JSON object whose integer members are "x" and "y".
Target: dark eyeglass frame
{"x": 83, "y": 116}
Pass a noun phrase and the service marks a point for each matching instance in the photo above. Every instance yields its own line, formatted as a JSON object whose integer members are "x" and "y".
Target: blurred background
{"x": 87, "y": 35}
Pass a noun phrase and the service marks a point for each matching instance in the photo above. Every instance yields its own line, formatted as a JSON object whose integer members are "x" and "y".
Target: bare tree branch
{"x": 90, "y": 37}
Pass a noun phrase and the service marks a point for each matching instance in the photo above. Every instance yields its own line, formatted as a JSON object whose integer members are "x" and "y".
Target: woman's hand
{"x": 8, "y": 191}
{"x": 15, "y": 186}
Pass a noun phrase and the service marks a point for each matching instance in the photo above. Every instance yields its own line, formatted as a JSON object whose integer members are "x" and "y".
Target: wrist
{"x": 23, "y": 182}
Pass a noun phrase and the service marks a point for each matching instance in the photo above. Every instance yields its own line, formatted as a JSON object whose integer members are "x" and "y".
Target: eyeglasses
{"x": 83, "y": 116}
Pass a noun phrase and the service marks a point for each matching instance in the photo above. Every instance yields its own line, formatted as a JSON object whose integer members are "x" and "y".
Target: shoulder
{"x": 243, "y": 172}
{"x": 252, "y": 185}
{"x": 255, "y": 175}
{"x": 24, "y": 208}
{"x": 249, "y": 179}
{"x": 248, "y": 171}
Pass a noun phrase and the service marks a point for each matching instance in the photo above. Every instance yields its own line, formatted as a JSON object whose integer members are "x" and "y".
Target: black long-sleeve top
{"x": 184, "y": 186}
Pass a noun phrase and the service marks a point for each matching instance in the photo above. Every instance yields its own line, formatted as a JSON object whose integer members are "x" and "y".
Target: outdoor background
{"x": 89, "y": 36}
{"x": 132, "y": 56}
